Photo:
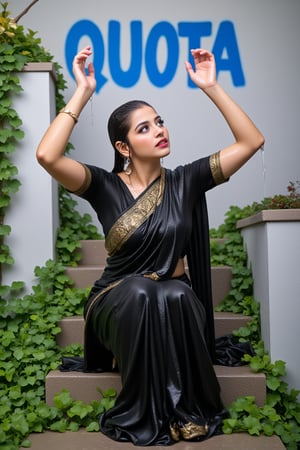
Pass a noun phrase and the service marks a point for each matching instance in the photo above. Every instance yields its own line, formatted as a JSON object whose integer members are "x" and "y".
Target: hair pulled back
{"x": 118, "y": 126}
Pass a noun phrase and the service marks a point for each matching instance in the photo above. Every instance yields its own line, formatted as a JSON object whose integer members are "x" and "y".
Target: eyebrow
{"x": 145, "y": 122}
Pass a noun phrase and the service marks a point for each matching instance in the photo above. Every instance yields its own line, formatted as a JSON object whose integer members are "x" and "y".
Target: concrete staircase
{"x": 234, "y": 382}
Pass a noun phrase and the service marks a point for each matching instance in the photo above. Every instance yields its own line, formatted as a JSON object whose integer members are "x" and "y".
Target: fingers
{"x": 84, "y": 78}
{"x": 202, "y": 71}
{"x": 188, "y": 65}
{"x": 199, "y": 55}
{"x": 189, "y": 69}
{"x": 91, "y": 69}
{"x": 82, "y": 56}
{"x": 85, "y": 51}
{"x": 200, "y": 52}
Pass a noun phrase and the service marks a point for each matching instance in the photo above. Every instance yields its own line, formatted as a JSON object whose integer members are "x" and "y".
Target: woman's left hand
{"x": 204, "y": 74}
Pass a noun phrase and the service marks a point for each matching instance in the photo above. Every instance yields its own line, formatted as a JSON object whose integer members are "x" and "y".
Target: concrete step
{"x": 83, "y": 440}
{"x": 93, "y": 252}
{"x": 234, "y": 382}
{"x": 72, "y": 328}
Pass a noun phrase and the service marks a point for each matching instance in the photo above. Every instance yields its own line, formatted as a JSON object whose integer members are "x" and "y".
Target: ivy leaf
{"x": 18, "y": 354}
{"x": 279, "y": 368}
{"x": 16, "y": 122}
{"x": 19, "y": 423}
{"x": 80, "y": 409}
{"x": 231, "y": 423}
{"x": 268, "y": 429}
{"x": 4, "y": 409}
{"x": 107, "y": 403}
{"x": 63, "y": 400}
{"x": 61, "y": 426}
{"x": 273, "y": 383}
{"x": 12, "y": 186}
{"x": 39, "y": 356}
{"x": 7, "y": 338}
{"x": 73, "y": 426}
{"x": 17, "y": 285}
{"x": 7, "y": 148}
{"x": 273, "y": 398}
{"x": 44, "y": 411}
{"x": 25, "y": 444}
{"x": 6, "y": 102}
{"x": 109, "y": 393}
{"x": 5, "y": 230}
{"x": 253, "y": 425}
{"x": 93, "y": 426}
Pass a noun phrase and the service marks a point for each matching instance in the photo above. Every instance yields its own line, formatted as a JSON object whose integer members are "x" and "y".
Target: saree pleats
{"x": 155, "y": 332}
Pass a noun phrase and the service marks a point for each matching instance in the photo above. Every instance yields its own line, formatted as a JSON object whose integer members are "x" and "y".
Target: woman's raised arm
{"x": 248, "y": 139}
{"x": 50, "y": 152}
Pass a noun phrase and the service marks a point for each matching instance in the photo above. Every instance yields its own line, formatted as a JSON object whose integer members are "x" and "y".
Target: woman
{"x": 144, "y": 313}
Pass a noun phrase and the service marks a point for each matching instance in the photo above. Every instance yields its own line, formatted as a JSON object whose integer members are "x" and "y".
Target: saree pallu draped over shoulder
{"x": 126, "y": 225}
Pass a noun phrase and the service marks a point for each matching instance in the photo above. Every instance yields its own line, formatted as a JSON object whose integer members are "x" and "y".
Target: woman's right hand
{"x": 84, "y": 80}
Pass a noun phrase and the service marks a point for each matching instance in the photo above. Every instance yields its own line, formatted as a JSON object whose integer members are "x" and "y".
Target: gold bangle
{"x": 70, "y": 113}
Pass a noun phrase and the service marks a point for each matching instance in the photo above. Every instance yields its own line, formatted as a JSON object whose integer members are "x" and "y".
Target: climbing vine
{"x": 17, "y": 48}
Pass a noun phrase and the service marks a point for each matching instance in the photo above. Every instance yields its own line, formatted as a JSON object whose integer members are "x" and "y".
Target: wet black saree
{"x": 158, "y": 329}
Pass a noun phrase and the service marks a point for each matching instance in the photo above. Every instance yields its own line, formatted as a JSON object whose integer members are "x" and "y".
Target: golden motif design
{"x": 187, "y": 431}
{"x": 175, "y": 433}
{"x": 153, "y": 276}
{"x": 126, "y": 225}
{"x": 216, "y": 168}
{"x": 192, "y": 430}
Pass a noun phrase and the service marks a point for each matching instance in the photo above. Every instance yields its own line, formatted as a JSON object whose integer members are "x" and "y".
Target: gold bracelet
{"x": 70, "y": 113}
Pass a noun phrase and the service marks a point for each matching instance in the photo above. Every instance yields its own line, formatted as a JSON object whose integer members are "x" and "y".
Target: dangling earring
{"x": 127, "y": 169}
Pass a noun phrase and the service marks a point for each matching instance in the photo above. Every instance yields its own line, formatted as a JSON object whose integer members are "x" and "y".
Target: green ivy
{"x": 73, "y": 229}
{"x": 28, "y": 331}
{"x": 17, "y": 48}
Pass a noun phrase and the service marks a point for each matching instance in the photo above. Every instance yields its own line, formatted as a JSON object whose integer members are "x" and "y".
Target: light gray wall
{"x": 267, "y": 35}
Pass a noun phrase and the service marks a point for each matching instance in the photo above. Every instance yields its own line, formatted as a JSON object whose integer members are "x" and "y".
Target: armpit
{"x": 216, "y": 168}
{"x": 86, "y": 182}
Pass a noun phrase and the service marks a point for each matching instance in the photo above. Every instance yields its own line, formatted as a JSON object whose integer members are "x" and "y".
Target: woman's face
{"x": 148, "y": 138}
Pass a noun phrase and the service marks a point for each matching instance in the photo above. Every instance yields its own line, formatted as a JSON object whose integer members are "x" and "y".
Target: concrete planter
{"x": 272, "y": 240}
{"x": 33, "y": 213}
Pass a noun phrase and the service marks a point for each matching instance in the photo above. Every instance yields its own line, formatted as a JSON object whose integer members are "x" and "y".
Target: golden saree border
{"x": 99, "y": 295}
{"x": 127, "y": 224}
{"x": 216, "y": 169}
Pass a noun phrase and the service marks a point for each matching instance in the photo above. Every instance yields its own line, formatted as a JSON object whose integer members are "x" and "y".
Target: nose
{"x": 158, "y": 130}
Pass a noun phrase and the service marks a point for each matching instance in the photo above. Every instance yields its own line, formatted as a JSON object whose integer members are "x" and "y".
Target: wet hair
{"x": 118, "y": 126}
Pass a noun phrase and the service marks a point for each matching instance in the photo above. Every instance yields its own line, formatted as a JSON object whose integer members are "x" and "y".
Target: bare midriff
{"x": 179, "y": 269}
